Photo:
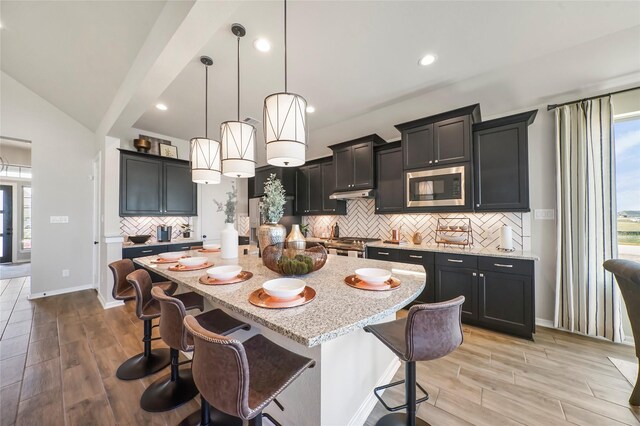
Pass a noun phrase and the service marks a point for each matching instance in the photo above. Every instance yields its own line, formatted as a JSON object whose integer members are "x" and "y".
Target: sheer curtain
{"x": 587, "y": 298}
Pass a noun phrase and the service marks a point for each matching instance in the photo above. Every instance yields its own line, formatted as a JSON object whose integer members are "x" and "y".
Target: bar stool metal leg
{"x": 209, "y": 416}
{"x": 409, "y": 418}
{"x": 146, "y": 363}
{"x": 170, "y": 391}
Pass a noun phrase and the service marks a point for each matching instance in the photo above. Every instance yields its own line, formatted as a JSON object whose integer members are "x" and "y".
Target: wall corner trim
{"x": 109, "y": 305}
{"x": 361, "y": 415}
{"x": 42, "y": 294}
{"x": 544, "y": 323}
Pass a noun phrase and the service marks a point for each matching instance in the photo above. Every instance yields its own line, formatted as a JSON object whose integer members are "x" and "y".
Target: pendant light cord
{"x": 285, "y": 46}
{"x": 206, "y": 101}
{"x": 238, "y": 78}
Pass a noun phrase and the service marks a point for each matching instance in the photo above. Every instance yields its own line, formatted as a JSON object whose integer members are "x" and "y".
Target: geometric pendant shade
{"x": 205, "y": 161}
{"x": 285, "y": 129}
{"x": 238, "y": 149}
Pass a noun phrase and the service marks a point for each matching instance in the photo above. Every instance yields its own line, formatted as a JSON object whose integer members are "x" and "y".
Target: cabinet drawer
{"x": 457, "y": 260}
{"x": 184, "y": 246}
{"x": 506, "y": 265}
{"x": 416, "y": 256}
{"x": 392, "y": 255}
{"x": 133, "y": 252}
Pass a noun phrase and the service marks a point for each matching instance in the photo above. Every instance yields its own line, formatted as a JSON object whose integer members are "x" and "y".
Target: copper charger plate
{"x": 353, "y": 281}
{"x": 209, "y": 251}
{"x": 180, "y": 268}
{"x": 160, "y": 260}
{"x": 263, "y": 300}
{"x": 241, "y": 277}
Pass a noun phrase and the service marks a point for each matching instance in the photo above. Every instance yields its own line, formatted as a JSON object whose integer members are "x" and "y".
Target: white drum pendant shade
{"x": 238, "y": 149}
{"x": 205, "y": 161}
{"x": 285, "y": 129}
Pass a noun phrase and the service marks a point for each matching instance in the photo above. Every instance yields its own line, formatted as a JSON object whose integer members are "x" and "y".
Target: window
{"x": 25, "y": 242}
{"x": 627, "y": 146}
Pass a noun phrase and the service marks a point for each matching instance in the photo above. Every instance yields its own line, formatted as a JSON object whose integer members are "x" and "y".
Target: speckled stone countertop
{"x": 478, "y": 251}
{"x": 337, "y": 309}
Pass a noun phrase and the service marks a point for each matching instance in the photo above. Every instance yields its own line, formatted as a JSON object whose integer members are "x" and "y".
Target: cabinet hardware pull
{"x": 474, "y": 274}
{"x": 413, "y": 256}
{"x": 454, "y": 260}
{"x": 502, "y": 265}
{"x": 384, "y": 253}
{"x": 477, "y": 205}
{"x": 481, "y": 275}
{"x": 435, "y": 161}
{"x": 146, "y": 251}
{"x": 430, "y": 162}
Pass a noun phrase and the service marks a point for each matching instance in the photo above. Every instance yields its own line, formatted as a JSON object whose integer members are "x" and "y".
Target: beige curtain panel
{"x": 587, "y": 297}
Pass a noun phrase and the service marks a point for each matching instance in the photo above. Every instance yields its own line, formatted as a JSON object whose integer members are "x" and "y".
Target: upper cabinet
{"x": 329, "y": 206}
{"x": 353, "y": 160}
{"x": 501, "y": 165}
{"x": 155, "y": 186}
{"x": 389, "y": 193}
{"x": 287, "y": 176}
{"x": 314, "y": 184}
{"x": 439, "y": 139}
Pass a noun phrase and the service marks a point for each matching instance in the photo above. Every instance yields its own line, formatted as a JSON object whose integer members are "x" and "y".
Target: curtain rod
{"x": 554, "y": 106}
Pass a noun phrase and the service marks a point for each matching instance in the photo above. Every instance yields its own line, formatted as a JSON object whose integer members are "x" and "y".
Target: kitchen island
{"x": 349, "y": 362}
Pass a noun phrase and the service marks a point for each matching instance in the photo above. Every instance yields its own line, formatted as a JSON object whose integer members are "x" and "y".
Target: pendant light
{"x": 238, "y": 138}
{"x": 285, "y": 122}
{"x": 205, "y": 152}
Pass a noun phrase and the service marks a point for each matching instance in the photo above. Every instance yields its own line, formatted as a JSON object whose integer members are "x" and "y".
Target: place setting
{"x": 170, "y": 257}
{"x": 282, "y": 293}
{"x": 226, "y": 274}
{"x": 372, "y": 279}
{"x": 191, "y": 264}
{"x": 210, "y": 248}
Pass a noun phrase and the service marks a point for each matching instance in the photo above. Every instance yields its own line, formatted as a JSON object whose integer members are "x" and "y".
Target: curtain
{"x": 587, "y": 298}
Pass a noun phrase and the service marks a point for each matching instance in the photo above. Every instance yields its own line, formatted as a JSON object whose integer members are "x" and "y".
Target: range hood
{"x": 349, "y": 195}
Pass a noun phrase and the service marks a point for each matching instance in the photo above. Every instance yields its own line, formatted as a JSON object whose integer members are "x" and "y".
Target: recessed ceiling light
{"x": 311, "y": 109}
{"x": 427, "y": 60}
{"x": 262, "y": 44}
{"x": 161, "y": 107}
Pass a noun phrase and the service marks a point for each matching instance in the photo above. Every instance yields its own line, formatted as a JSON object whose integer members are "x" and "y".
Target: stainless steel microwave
{"x": 440, "y": 187}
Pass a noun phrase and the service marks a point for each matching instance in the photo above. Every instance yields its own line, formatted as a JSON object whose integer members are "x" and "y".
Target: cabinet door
{"x": 379, "y": 253}
{"x": 180, "y": 193}
{"x": 343, "y": 160}
{"x": 302, "y": 191}
{"x": 389, "y": 194}
{"x": 501, "y": 168}
{"x": 426, "y": 259}
{"x": 259, "y": 180}
{"x": 363, "y": 166}
{"x": 417, "y": 147}
{"x": 315, "y": 189}
{"x": 452, "y": 282}
{"x": 143, "y": 251}
{"x": 330, "y": 206}
{"x": 452, "y": 140}
{"x": 506, "y": 302}
{"x": 187, "y": 245}
{"x": 140, "y": 186}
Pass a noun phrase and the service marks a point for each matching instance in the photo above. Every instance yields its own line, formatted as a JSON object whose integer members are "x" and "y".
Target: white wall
{"x": 62, "y": 154}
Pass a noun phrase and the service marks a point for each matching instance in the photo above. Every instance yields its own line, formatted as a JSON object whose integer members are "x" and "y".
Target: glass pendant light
{"x": 285, "y": 122}
{"x": 205, "y": 153}
{"x": 238, "y": 138}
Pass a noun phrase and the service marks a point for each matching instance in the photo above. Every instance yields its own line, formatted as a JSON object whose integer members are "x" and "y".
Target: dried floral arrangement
{"x": 229, "y": 207}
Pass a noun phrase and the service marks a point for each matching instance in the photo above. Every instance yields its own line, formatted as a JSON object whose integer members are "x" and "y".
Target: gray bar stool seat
{"x": 430, "y": 331}
{"x": 122, "y": 290}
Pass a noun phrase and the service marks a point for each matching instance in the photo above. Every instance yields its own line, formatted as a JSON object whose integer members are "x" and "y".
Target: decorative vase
{"x": 229, "y": 242}
{"x": 142, "y": 145}
{"x": 417, "y": 238}
{"x": 186, "y": 234}
{"x": 271, "y": 233}
{"x": 295, "y": 239}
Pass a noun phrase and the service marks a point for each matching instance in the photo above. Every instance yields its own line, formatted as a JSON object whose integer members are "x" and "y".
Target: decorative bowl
{"x": 223, "y": 273}
{"x": 294, "y": 261}
{"x": 139, "y": 239}
{"x": 284, "y": 288}
{"x": 211, "y": 246}
{"x": 193, "y": 261}
{"x": 142, "y": 145}
{"x": 453, "y": 238}
{"x": 172, "y": 255}
{"x": 373, "y": 275}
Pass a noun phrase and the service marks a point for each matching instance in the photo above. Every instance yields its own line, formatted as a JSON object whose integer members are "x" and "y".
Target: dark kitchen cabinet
{"x": 501, "y": 163}
{"x": 380, "y": 253}
{"x": 155, "y": 186}
{"x": 389, "y": 192}
{"x": 329, "y": 206}
{"x": 314, "y": 185}
{"x": 287, "y": 176}
{"x": 353, "y": 162}
{"x": 426, "y": 259}
{"x": 439, "y": 139}
{"x": 452, "y": 281}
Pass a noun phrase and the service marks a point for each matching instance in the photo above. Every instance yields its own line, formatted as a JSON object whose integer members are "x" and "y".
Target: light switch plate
{"x": 58, "y": 219}
{"x": 544, "y": 214}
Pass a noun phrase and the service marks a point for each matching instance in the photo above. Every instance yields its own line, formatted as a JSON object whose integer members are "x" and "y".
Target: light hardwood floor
{"x": 58, "y": 358}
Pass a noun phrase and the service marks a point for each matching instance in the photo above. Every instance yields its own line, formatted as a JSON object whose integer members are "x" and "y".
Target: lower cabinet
{"x": 425, "y": 259}
{"x": 452, "y": 282}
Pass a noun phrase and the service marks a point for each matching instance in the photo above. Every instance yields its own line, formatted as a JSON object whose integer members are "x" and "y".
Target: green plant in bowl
{"x": 292, "y": 261}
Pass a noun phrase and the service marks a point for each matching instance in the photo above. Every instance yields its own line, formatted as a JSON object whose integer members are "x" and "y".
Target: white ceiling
{"x": 74, "y": 54}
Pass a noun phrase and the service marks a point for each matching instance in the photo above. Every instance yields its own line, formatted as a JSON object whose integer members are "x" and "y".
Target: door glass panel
{"x": 1, "y": 200}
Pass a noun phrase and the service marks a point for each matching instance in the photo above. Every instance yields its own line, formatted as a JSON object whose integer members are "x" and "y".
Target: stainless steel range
{"x": 344, "y": 245}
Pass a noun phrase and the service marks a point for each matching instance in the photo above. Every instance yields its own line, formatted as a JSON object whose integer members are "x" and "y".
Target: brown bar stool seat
{"x": 430, "y": 331}
{"x": 122, "y": 290}
{"x": 247, "y": 376}
{"x": 178, "y": 387}
{"x": 147, "y": 309}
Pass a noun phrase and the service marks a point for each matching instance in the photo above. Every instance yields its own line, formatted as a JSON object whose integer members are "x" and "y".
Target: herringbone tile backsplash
{"x": 140, "y": 225}
{"x": 362, "y": 222}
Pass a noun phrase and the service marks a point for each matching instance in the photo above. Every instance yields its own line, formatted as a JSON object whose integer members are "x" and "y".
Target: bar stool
{"x": 178, "y": 387}
{"x": 247, "y": 377}
{"x": 430, "y": 331}
{"x": 150, "y": 360}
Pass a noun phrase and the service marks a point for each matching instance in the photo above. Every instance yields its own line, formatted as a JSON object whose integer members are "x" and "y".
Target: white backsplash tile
{"x": 141, "y": 225}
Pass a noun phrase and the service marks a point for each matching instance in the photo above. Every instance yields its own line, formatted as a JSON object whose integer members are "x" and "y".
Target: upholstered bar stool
{"x": 149, "y": 360}
{"x": 430, "y": 331}
{"x": 627, "y": 273}
{"x": 178, "y": 387}
{"x": 247, "y": 376}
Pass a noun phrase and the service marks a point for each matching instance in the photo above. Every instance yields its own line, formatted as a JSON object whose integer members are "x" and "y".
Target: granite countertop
{"x": 162, "y": 243}
{"x": 478, "y": 251}
{"x": 337, "y": 310}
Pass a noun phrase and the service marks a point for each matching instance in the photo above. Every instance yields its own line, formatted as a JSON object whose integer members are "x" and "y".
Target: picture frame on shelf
{"x": 169, "y": 151}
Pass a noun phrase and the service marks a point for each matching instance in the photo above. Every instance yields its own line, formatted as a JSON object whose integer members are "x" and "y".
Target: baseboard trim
{"x": 61, "y": 291}
{"x": 544, "y": 323}
{"x": 109, "y": 305}
{"x": 365, "y": 409}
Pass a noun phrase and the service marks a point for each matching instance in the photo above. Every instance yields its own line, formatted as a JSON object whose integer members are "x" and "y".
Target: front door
{"x": 6, "y": 215}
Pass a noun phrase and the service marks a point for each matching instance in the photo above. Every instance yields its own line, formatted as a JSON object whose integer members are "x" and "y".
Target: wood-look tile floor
{"x": 58, "y": 358}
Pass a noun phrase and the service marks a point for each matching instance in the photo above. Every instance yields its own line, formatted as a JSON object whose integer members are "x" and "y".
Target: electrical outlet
{"x": 545, "y": 214}
{"x": 65, "y": 272}
{"x": 58, "y": 219}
